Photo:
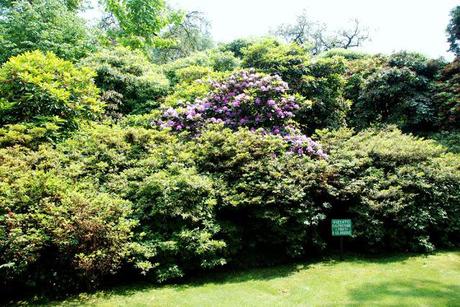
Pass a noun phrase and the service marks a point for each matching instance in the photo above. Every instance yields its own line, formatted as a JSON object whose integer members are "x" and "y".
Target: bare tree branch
{"x": 309, "y": 32}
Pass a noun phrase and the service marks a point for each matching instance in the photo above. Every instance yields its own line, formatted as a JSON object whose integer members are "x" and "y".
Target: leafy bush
{"x": 52, "y": 230}
{"x": 269, "y": 199}
{"x": 186, "y": 92}
{"x": 237, "y": 46}
{"x": 324, "y": 89}
{"x": 37, "y": 87}
{"x": 449, "y": 139}
{"x": 217, "y": 170}
{"x": 47, "y": 25}
{"x": 29, "y": 135}
{"x": 288, "y": 61}
{"x": 245, "y": 99}
{"x": 401, "y": 191}
{"x": 176, "y": 212}
{"x": 136, "y": 83}
{"x": 347, "y": 54}
{"x": 172, "y": 203}
{"x": 217, "y": 61}
{"x": 397, "y": 96}
{"x": 448, "y": 96}
{"x": 320, "y": 82}
{"x": 397, "y": 90}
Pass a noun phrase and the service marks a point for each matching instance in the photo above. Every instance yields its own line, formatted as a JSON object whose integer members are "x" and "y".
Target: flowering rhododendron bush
{"x": 246, "y": 99}
{"x": 120, "y": 167}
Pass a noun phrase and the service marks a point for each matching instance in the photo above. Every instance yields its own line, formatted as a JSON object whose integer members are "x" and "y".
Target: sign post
{"x": 341, "y": 228}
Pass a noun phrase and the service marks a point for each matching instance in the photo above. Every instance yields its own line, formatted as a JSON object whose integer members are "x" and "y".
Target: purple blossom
{"x": 246, "y": 99}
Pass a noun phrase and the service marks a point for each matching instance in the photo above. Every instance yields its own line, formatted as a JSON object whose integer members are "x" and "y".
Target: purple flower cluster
{"x": 301, "y": 144}
{"x": 245, "y": 99}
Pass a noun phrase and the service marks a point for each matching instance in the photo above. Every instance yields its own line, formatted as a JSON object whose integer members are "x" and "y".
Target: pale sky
{"x": 415, "y": 25}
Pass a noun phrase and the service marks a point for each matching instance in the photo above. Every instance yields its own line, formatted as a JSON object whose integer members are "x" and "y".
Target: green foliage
{"x": 187, "y": 92}
{"x": 270, "y": 205}
{"x": 83, "y": 199}
{"x": 448, "y": 96}
{"x": 172, "y": 203}
{"x": 30, "y": 134}
{"x": 176, "y": 208}
{"x": 268, "y": 55}
{"x": 217, "y": 61}
{"x": 399, "y": 91}
{"x": 140, "y": 21}
{"x": 39, "y": 88}
{"x": 189, "y": 36}
{"x": 348, "y": 54}
{"x": 453, "y": 30}
{"x": 70, "y": 4}
{"x": 401, "y": 191}
{"x": 449, "y": 139}
{"x": 53, "y": 230}
{"x": 237, "y": 46}
{"x": 324, "y": 89}
{"x": 191, "y": 73}
{"x": 129, "y": 81}
{"x": 320, "y": 82}
{"x": 47, "y": 25}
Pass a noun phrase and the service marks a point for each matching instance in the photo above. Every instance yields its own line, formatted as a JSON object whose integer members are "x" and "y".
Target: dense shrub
{"x": 173, "y": 204}
{"x": 30, "y": 134}
{"x": 448, "y": 96}
{"x": 397, "y": 90}
{"x": 37, "y": 88}
{"x": 320, "y": 82}
{"x": 187, "y": 91}
{"x": 347, "y": 54}
{"x": 53, "y": 232}
{"x": 245, "y": 99}
{"x": 400, "y": 191}
{"x": 47, "y": 25}
{"x": 237, "y": 46}
{"x": 270, "y": 200}
{"x": 215, "y": 60}
{"x": 324, "y": 88}
{"x": 449, "y": 139}
{"x": 288, "y": 61}
{"x": 130, "y": 83}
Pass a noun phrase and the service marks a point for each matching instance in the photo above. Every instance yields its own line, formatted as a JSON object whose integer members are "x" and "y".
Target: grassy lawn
{"x": 432, "y": 280}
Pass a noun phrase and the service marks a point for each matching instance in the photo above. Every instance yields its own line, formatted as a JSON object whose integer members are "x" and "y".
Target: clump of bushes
{"x": 320, "y": 81}
{"x": 399, "y": 89}
{"x": 54, "y": 232}
{"x": 198, "y": 164}
{"x": 214, "y": 60}
{"x": 400, "y": 191}
{"x": 165, "y": 205}
{"x": 46, "y": 25}
{"x": 129, "y": 82}
{"x": 40, "y": 90}
{"x": 245, "y": 99}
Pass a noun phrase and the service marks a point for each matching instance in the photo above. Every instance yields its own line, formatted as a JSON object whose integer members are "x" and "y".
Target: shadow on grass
{"x": 256, "y": 274}
{"x": 363, "y": 295}
{"x": 437, "y": 293}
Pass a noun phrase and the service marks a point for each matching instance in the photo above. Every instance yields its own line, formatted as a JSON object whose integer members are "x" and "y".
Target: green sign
{"x": 341, "y": 227}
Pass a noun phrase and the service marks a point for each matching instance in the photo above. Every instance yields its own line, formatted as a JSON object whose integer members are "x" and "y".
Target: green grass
{"x": 432, "y": 280}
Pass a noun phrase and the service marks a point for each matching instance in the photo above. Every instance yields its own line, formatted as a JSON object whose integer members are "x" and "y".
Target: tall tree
{"x": 138, "y": 20}
{"x": 190, "y": 35}
{"x": 70, "y": 4}
{"x": 308, "y": 32}
{"x": 47, "y": 25}
{"x": 453, "y": 31}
